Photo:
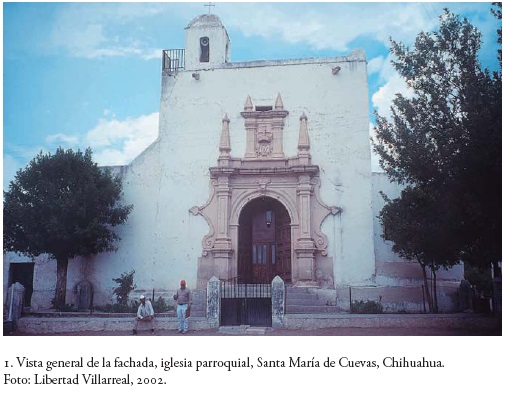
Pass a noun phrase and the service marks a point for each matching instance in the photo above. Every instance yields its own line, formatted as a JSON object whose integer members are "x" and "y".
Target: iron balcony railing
{"x": 173, "y": 60}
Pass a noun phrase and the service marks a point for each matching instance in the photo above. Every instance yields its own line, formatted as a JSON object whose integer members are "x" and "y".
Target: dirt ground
{"x": 379, "y": 331}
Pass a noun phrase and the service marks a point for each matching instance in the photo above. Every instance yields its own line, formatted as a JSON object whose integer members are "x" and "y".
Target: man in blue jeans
{"x": 183, "y": 298}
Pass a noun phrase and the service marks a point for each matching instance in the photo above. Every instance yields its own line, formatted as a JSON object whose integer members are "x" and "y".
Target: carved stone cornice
{"x": 310, "y": 170}
{"x": 273, "y": 114}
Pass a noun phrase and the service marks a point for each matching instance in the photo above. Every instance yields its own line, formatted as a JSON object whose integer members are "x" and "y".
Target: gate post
{"x": 278, "y": 296}
{"x": 15, "y": 302}
{"x": 213, "y": 302}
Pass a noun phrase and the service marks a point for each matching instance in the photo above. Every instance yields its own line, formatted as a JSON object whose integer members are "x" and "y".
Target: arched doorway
{"x": 264, "y": 242}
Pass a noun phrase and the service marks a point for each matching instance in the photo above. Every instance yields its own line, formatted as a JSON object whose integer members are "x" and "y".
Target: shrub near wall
{"x": 368, "y": 307}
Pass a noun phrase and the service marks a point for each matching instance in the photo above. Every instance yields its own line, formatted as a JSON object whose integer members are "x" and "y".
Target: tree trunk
{"x": 435, "y": 300}
{"x": 427, "y": 289}
{"x": 61, "y": 281}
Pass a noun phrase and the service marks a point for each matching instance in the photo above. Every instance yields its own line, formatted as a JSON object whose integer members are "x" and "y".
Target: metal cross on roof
{"x": 209, "y": 4}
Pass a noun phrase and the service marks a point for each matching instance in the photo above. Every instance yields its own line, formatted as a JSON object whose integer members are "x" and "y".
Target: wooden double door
{"x": 264, "y": 242}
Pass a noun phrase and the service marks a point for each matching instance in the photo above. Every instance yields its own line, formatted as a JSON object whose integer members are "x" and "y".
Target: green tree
{"x": 64, "y": 205}
{"x": 126, "y": 285}
{"x": 419, "y": 224}
{"x": 445, "y": 141}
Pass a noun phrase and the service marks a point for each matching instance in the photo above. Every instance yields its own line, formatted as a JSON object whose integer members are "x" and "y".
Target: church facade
{"x": 261, "y": 169}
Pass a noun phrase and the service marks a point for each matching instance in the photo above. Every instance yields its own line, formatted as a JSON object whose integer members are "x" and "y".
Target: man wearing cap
{"x": 145, "y": 313}
{"x": 183, "y": 298}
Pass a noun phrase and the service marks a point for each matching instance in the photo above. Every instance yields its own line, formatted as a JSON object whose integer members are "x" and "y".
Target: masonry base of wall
{"x": 57, "y": 324}
{"x": 445, "y": 321}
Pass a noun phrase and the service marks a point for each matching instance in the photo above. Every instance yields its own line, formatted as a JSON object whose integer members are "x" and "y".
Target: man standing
{"x": 183, "y": 298}
{"x": 145, "y": 313}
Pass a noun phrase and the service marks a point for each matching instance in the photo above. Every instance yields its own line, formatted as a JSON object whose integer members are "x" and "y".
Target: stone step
{"x": 312, "y": 309}
{"x": 299, "y": 293}
{"x": 300, "y": 300}
{"x": 297, "y": 289}
{"x": 294, "y": 300}
{"x": 304, "y": 301}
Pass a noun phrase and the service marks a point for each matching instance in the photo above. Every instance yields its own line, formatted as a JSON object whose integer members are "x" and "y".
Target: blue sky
{"x": 88, "y": 74}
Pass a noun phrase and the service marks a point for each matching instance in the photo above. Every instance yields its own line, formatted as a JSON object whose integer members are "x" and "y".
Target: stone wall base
{"x": 435, "y": 321}
{"x": 400, "y": 298}
{"x": 77, "y": 325}
{"x": 57, "y": 325}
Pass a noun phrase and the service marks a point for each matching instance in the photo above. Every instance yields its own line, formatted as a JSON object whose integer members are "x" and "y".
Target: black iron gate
{"x": 246, "y": 304}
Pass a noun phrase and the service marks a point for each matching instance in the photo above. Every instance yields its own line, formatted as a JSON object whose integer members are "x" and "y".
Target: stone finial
{"x": 303, "y": 142}
{"x": 278, "y": 102}
{"x": 303, "y": 137}
{"x": 224, "y": 144}
{"x": 248, "y": 106}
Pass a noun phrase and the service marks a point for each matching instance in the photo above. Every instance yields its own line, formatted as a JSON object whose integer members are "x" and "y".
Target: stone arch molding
{"x": 239, "y": 203}
{"x": 264, "y": 171}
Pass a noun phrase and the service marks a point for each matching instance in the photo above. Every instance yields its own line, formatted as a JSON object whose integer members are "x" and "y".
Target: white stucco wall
{"x": 44, "y": 278}
{"x": 162, "y": 240}
{"x": 381, "y": 183}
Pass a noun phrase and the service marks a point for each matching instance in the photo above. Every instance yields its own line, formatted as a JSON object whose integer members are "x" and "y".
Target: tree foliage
{"x": 445, "y": 141}
{"x": 126, "y": 285}
{"x": 420, "y": 224}
{"x": 444, "y": 144}
{"x": 64, "y": 205}
{"x": 497, "y": 13}
{"x": 450, "y": 92}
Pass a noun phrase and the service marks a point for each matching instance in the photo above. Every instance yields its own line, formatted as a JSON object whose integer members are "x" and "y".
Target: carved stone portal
{"x": 264, "y": 172}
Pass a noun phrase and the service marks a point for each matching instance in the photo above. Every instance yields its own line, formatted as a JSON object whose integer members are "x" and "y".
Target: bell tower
{"x": 207, "y": 43}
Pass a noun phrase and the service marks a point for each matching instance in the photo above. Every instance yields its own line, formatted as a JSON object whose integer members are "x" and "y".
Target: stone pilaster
{"x": 277, "y": 147}
{"x": 304, "y": 246}
{"x": 222, "y": 249}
